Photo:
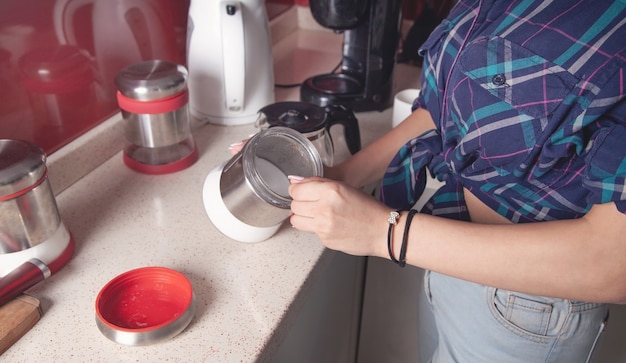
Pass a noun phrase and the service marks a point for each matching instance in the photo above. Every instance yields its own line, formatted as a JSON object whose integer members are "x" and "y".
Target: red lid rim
{"x": 150, "y": 272}
{"x": 169, "y": 168}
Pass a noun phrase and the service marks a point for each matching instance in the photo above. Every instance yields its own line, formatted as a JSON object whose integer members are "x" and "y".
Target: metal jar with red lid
{"x": 34, "y": 242}
{"x": 153, "y": 98}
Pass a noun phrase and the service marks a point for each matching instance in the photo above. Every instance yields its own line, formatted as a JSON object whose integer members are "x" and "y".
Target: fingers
{"x": 302, "y": 179}
{"x": 304, "y": 194}
{"x": 305, "y": 188}
{"x": 236, "y": 147}
{"x": 303, "y": 208}
{"x": 294, "y": 179}
{"x": 304, "y": 224}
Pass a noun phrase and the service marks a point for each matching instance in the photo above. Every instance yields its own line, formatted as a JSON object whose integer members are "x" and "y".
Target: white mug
{"x": 402, "y": 104}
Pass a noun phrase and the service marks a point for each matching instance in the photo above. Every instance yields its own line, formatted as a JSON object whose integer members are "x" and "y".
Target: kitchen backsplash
{"x": 58, "y": 59}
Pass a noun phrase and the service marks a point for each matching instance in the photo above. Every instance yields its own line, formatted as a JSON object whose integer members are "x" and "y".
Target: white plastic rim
{"x": 46, "y": 251}
{"x": 223, "y": 219}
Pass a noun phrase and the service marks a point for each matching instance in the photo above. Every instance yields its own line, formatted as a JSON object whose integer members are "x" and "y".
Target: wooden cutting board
{"x": 16, "y": 318}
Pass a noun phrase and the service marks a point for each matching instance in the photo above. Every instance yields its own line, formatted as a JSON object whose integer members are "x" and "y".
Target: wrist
{"x": 378, "y": 238}
{"x": 334, "y": 172}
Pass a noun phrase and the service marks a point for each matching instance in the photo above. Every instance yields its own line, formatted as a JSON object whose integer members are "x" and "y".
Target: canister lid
{"x": 151, "y": 80}
{"x": 22, "y": 164}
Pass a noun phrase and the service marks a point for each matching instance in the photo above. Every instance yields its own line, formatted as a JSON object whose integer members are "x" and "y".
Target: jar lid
{"x": 22, "y": 164}
{"x": 301, "y": 116}
{"x": 151, "y": 80}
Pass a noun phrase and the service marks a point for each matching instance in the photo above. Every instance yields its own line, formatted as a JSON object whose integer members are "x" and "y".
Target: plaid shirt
{"x": 529, "y": 102}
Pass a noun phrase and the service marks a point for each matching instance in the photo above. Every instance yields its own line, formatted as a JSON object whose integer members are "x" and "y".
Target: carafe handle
{"x": 339, "y": 114}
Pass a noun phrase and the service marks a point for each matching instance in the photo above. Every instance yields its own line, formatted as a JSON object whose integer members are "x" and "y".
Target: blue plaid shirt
{"x": 529, "y": 102}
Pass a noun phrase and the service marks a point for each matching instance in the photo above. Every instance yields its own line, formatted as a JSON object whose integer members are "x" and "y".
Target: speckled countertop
{"x": 247, "y": 294}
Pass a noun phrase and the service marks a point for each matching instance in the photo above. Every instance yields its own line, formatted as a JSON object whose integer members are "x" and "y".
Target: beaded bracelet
{"x": 393, "y": 220}
{"x": 402, "y": 260}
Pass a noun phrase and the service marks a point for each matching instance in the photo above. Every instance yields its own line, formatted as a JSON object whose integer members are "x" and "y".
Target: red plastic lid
{"x": 153, "y": 107}
{"x": 144, "y": 299}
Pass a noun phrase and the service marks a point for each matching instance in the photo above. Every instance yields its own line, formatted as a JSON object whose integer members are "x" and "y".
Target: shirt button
{"x": 499, "y": 79}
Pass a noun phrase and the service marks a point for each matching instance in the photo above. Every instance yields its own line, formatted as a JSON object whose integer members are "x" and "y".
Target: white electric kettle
{"x": 124, "y": 31}
{"x": 229, "y": 59}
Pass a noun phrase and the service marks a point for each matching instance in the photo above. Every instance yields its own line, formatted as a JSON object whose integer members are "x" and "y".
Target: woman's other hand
{"x": 236, "y": 147}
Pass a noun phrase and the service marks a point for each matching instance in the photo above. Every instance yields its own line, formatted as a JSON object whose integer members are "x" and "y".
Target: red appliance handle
{"x": 21, "y": 278}
{"x": 32, "y": 272}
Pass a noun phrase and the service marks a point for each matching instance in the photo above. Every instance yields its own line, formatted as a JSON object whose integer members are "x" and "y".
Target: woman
{"x": 523, "y": 115}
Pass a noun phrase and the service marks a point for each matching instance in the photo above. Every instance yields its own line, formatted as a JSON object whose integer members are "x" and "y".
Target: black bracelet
{"x": 402, "y": 260}
{"x": 393, "y": 220}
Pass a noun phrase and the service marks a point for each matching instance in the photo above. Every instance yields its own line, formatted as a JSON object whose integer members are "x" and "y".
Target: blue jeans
{"x": 460, "y": 321}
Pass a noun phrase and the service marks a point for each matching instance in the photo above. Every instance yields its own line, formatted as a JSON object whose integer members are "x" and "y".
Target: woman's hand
{"x": 344, "y": 218}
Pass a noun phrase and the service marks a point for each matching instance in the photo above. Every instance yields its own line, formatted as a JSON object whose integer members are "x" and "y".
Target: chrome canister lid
{"x": 151, "y": 80}
{"x": 22, "y": 164}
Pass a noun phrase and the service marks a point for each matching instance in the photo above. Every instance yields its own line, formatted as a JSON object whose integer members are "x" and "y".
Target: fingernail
{"x": 295, "y": 177}
{"x": 235, "y": 144}
{"x": 249, "y": 136}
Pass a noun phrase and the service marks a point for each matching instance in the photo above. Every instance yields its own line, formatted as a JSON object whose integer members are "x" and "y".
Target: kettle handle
{"x": 63, "y": 19}
{"x": 233, "y": 53}
{"x": 339, "y": 114}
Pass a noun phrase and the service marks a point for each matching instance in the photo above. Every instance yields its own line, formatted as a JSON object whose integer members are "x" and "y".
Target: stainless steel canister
{"x": 154, "y": 99}
{"x": 28, "y": 209}
{"x": 254, "y": 182}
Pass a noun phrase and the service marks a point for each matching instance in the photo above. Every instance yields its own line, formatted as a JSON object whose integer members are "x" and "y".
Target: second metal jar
{"x": 153, "y": 98}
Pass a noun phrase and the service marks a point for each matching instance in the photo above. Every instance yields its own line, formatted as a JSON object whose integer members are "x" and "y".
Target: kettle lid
{"x": 300, "y": 116}
{"x": 22, "y": 164}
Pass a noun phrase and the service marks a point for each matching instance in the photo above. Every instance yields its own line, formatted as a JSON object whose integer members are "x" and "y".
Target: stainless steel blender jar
{"x": 34, "y": 242}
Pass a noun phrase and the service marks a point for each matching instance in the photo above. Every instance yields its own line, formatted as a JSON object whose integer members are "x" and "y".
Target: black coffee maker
{"x": 371, "y": 30}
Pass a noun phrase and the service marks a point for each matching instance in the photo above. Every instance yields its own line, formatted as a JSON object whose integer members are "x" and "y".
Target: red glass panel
{"x": 59, "y": 59}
